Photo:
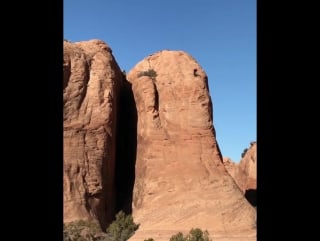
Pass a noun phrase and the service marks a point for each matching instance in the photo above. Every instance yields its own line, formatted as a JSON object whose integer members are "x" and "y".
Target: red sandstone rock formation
{"x": 230, "y": 166}
{"x": 90, "y": 88}
{"x": 180, "y": 180}
{"x": 246, "y": 174}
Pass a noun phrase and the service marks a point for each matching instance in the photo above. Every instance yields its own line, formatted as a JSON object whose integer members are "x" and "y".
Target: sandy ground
{"x": 164, "y": 235}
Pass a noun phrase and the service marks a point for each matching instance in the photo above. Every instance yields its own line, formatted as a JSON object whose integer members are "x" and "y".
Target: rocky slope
{"x": 180, "y": 180}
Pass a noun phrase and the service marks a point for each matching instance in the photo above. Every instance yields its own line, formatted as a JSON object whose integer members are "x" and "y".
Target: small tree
{"x": 194, "y": 235}
{"x": 122, "y": 228}
{"x": 178, "y": 237}
{"x": 198, "y": 235}
{"x": 150, "y": 72}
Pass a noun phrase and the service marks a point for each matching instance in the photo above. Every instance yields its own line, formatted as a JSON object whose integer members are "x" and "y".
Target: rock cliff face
{"x": 91, "y": 86}
{"x": 230, "y": 166}
{"x": 180, "y": 180}
{"x": 245, "y": 172}
{"x": 147, "y": 145}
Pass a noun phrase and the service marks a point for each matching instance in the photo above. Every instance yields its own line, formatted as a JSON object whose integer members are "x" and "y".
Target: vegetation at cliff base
{"x": 195, "y": 234}
{"x": 121, "y": 229}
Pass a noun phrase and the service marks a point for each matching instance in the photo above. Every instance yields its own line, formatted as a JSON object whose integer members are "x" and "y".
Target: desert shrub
{"x": 178, "y": 237}
{"x": 151, "y": 73}
{"x": 244, "y": 152}
{"x": 194, "y": 235}
{"x": 82, "y": 231}
{"x": 198, "y": 235}
{"x": 122, "y": 228}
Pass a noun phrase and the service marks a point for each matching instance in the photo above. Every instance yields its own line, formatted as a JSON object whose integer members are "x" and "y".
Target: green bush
{"x": 82, "y": 231}
{"x": 194, "y": 235}
{"x": 122, "y": 228}
{"x": 178, "y": 237}
{"x": 198, "y": 235}
{"x": 151, "y": 73}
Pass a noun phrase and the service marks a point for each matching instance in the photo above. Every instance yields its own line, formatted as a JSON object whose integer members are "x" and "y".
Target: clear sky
{"x": 219, "y": 34}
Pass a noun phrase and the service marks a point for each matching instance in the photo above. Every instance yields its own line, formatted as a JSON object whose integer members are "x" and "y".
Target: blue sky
{"x": 219, "y": 34}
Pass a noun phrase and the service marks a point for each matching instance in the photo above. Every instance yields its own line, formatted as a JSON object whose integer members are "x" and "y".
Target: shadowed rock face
{"x": 126, "y": 148}
{"x": 180, "y": 180}
{"x": 91, "y": 84}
